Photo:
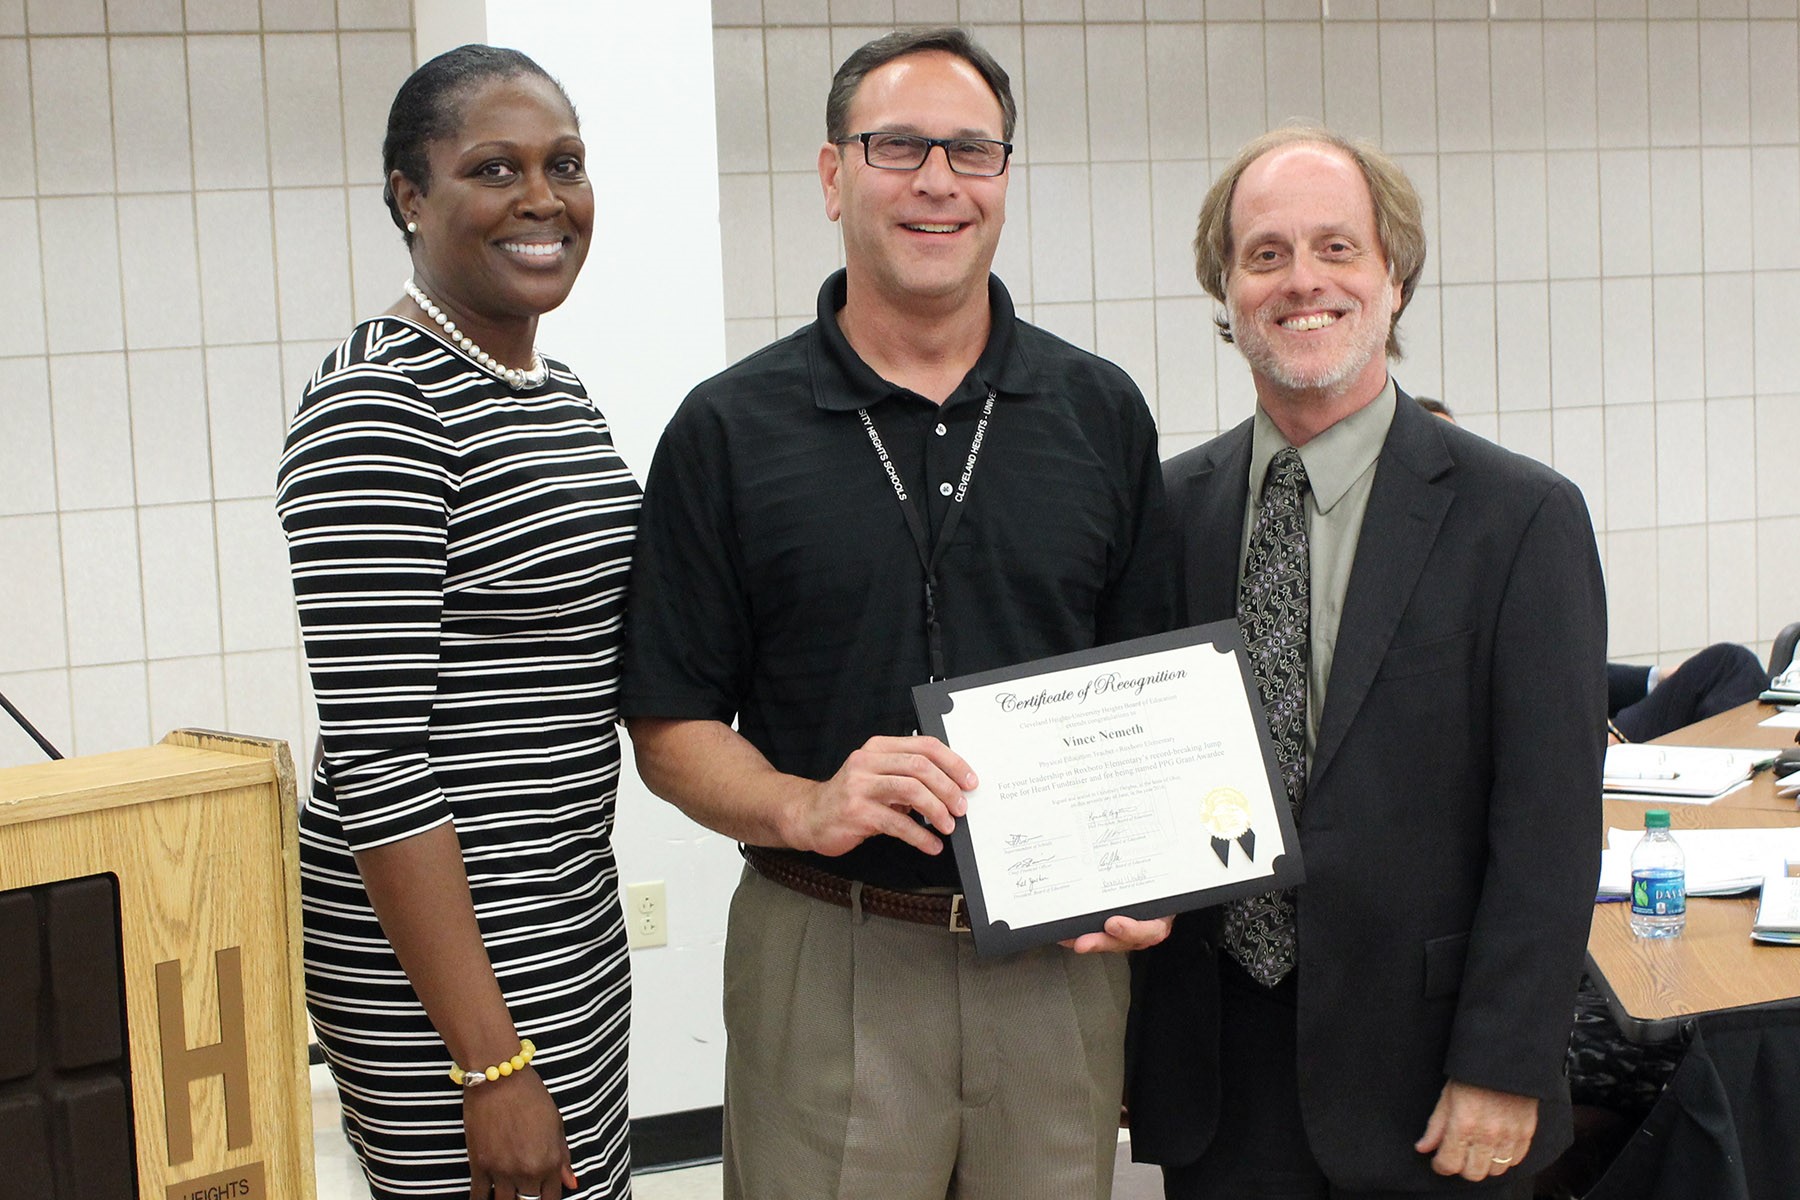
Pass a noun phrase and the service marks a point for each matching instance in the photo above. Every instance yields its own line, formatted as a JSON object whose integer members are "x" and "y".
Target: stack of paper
{"x": 1679, "y": 774}
{"x": 1720, "y": 862}
{"x": 1778, "y": 914}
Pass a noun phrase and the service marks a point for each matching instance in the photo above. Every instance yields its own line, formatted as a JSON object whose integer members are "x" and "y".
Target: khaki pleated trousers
{"x": 872, "y": 1059}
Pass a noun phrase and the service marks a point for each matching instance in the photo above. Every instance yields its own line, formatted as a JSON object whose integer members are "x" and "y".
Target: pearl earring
{"x": 412, "y": 227}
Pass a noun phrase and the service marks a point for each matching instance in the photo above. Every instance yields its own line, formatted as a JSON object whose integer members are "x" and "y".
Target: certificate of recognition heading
{"x": 1136, "y": 779}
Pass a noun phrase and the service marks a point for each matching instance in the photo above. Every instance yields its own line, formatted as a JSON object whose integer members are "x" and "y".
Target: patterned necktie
{"x": 1275, "y": 616}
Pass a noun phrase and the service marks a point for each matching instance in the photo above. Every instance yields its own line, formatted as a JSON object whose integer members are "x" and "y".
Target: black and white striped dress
{"x": 460, "y": 553}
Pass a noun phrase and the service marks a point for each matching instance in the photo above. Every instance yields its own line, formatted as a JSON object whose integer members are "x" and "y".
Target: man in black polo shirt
{"x": 918, "y": 484}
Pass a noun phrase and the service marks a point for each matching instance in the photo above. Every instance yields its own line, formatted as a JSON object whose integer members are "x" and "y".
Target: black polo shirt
{"x": 776, "y": 582}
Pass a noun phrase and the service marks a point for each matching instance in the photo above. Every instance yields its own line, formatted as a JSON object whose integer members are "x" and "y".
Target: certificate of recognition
{"x": 1133, "y": 779}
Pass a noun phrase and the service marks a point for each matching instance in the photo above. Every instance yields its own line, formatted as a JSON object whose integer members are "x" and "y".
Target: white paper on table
{"x": 1785, "y": 719}
{"x": 1779, "y": 908}
{"x": 1669, "y": 799}
{"x": 1695, "y": 771}
{"x": 1720, "y": 862}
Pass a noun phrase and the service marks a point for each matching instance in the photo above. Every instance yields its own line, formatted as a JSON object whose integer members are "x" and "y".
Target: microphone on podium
{"x": 28, "y": 727}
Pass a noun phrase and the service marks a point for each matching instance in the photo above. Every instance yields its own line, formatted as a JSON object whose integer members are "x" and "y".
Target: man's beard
{"x": 1332, "y": 376}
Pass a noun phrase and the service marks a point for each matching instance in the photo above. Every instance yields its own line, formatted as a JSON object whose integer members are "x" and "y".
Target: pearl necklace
{"x": 517, "y": 379}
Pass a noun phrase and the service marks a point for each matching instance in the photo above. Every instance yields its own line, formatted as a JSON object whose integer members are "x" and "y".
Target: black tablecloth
{"x": 1727, "y": 1127}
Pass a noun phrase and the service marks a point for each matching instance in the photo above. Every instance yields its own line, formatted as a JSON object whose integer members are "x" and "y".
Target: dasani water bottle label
{"x": 1661, "y": 893}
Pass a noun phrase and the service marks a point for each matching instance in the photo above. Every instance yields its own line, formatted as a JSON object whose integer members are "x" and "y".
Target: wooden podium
{"x": 152, "y": 1031}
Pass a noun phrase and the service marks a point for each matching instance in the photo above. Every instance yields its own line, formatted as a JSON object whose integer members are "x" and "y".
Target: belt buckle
{"x": 959, "y": 917}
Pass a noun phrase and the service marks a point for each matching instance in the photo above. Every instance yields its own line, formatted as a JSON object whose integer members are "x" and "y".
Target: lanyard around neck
{"x": 931, "y": 552}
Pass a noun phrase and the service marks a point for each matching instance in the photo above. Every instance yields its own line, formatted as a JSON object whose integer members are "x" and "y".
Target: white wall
{"x": 192, "y": 219}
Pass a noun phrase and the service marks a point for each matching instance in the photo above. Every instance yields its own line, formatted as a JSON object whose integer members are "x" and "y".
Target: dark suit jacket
{"x": 1449, "y": 828}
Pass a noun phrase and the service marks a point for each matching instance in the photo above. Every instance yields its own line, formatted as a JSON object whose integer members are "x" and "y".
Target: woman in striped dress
{"x": 460, "y": 533}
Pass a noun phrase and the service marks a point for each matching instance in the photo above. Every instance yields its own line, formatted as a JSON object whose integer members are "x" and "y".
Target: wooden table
{"x": 1652, "y": 985}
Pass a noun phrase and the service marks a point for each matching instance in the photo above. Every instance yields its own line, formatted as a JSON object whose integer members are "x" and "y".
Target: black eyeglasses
{"x": 908, "y": 152}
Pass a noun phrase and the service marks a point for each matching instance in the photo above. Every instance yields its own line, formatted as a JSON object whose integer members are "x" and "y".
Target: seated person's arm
{"x": 1625, "y": 684}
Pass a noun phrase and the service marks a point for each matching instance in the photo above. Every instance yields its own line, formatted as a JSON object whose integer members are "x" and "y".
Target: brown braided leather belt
{"x": 942, "y": 909}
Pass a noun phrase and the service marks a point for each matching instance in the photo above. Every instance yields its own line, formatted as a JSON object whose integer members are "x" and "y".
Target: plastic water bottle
{"x": 1658, "y": 880}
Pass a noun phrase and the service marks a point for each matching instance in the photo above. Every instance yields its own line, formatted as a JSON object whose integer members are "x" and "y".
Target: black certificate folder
{"x": 1136, "y": 779}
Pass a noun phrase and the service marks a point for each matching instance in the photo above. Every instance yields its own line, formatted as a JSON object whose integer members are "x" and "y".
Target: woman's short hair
{"x": 899, "y": 44}
{"x": 428, "y": 106}
{"x": 1399, "y": 222}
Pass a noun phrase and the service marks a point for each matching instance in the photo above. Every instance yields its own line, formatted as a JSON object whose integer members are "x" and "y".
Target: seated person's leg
{"x": 1607, "y": 1069}
{"x": 1719, "y": 677}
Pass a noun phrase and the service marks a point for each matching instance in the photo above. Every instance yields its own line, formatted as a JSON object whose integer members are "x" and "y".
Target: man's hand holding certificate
{"x": 1135, "y": 779}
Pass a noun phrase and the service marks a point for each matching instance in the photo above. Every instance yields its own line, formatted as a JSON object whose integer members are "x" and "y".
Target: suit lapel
{"x": 1406, "y": 509}
{"x": 1213, "y": 500}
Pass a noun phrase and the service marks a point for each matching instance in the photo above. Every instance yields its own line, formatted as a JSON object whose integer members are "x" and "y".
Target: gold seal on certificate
{"x": 1136, "y": 778}
{"x": 1226, "y": 815}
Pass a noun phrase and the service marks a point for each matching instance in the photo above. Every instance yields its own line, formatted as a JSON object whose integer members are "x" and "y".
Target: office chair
{"x": 1781, "y": 654}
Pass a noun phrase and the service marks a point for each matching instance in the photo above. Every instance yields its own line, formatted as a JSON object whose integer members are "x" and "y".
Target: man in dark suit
{"x": 1425, "y": 614}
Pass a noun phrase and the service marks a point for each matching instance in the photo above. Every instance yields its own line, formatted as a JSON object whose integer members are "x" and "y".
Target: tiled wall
{"x": 189, "y": 219}
{"x": 1613, "y": 203}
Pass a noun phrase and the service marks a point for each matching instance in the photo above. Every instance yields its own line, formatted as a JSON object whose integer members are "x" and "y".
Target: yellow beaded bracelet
{"x": 517, "y": 1062}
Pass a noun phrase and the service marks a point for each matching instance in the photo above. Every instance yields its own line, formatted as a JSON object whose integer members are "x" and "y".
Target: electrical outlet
{"x": 646, "y": 914}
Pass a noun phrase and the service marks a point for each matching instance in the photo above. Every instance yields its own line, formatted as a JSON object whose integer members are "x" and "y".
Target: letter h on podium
{"x": 181, "y": 1064}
